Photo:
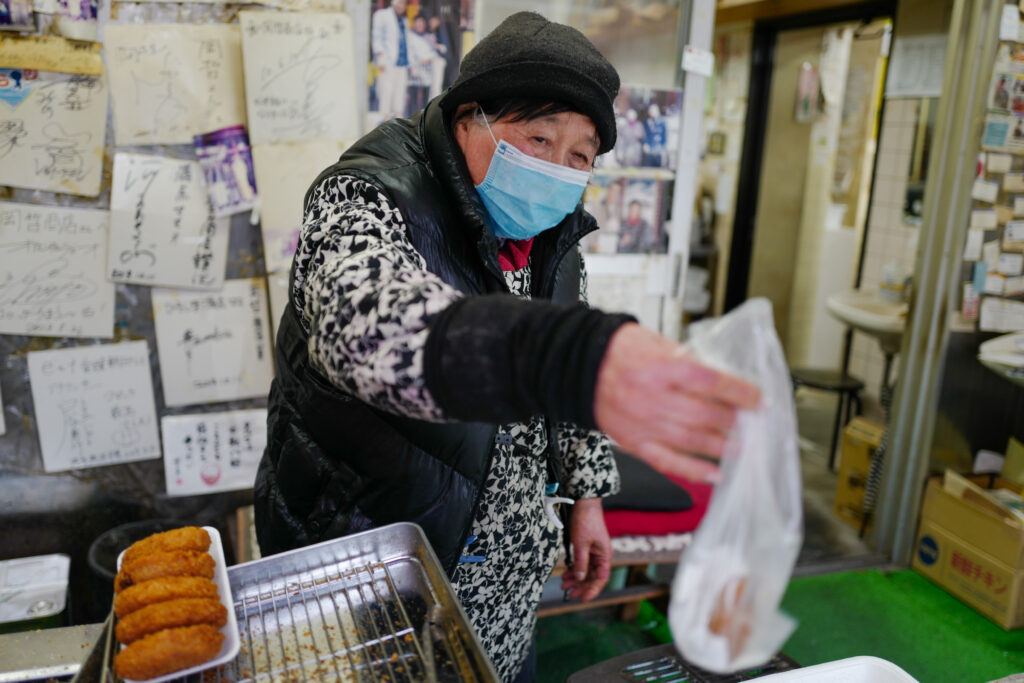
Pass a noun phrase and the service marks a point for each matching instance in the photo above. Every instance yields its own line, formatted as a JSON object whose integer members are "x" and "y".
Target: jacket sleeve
{"x": 365, "y": 297}
{"x": 587, "y": 453}
{"x": 384, "y": 328}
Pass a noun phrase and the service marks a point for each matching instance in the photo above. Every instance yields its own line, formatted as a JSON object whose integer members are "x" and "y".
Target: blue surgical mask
{"x": 526, "y": 196}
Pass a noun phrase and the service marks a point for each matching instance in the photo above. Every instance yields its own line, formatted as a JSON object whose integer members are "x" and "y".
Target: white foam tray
{"x": 232, "y": 642}
{"x": 851, "y": 670}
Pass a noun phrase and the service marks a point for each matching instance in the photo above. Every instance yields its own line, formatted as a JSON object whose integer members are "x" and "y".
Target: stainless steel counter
{"x": 45, "y": 653}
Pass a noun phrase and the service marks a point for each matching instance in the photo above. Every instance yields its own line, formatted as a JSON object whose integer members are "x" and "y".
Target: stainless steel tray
{"x": 373, "y": 606}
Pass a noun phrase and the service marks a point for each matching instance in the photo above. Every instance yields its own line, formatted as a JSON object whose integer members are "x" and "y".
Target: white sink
{"x": 866, "y": 312}
{"x": 1005, "y": 356}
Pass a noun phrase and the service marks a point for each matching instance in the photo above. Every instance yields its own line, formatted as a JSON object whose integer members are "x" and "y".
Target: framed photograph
{"x": 647, "y": 124}
{"x": 16, "y": 15}
{"x": 630, "y": 213}
{"x": 415, "y": 46}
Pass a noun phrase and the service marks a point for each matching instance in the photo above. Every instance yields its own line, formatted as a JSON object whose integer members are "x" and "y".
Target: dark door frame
{"x": 762, "y": 62}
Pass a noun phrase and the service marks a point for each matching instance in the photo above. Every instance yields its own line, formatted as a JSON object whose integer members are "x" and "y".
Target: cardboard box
{"x": 974, "y": 550}
{"x": 861, "y": 439}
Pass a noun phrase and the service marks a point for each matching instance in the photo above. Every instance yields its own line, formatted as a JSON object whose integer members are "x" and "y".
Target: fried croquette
{"x": 185, "y": 538}
{"x": 167, "y": 563}
{"x": 161, "y": 590}
{"x": 168, "y": 651}
{"x": 170, "y": 614}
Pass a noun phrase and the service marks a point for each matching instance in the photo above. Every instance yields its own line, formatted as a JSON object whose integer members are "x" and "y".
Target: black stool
{"x": 845, "y": 385}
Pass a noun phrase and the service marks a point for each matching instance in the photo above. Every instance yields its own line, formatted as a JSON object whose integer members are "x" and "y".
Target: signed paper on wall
{"x": 283, "y": 174}
{"x": 300, "y": 81}
{"x": 54, "y": 281}
{"x": 52, "y": 130}
{"x": 162, "y": 227}
{"x": 94, "y": 405}
{"x": 1001, "y": 315}
{"x": 213, "y": 346}
{"x": 172, "y": 82}
{"x": 213, "y": 451}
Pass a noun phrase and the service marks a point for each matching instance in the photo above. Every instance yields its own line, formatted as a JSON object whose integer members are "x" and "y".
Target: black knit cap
{"x": 529, "y": 56}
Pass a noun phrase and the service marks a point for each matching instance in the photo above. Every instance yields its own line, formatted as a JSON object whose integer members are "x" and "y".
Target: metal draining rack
{"x": 354, "y": 624}
{"x": 374, "y": 606}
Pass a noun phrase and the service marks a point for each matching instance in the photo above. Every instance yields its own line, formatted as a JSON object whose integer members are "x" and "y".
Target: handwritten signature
{"x": 11, "y": 133}
{"x": 64, "y": 152}
{"x": 50, "y": 282}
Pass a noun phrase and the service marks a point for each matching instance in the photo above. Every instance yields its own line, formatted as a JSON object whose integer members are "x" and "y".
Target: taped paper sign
{"x": 94, "y": 405}
{"x": 213, "y": 451}
{"x": 52, "y": 131}
{"x": 283, "y": 174}
{"x": 173, "y": 82}
{"x": 55, "y": 281}
{"x": 162, "y": 227}
{"x": 300, "y": 81}
{"x": 213, "y": 346}
{"x": 1001, "y": 315}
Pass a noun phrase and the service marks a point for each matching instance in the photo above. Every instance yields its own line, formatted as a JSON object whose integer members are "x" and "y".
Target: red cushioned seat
{"x": 652, "y": 523}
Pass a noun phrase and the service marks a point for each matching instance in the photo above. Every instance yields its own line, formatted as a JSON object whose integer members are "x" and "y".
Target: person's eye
{"x": 540, "y": 139}
{"x": 583, "y": 159}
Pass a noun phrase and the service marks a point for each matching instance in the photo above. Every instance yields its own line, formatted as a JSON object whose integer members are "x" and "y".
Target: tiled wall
{"x": 889, "y": 239}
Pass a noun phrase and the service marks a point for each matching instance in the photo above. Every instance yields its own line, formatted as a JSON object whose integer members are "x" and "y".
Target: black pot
{"x": 104, "y": 550}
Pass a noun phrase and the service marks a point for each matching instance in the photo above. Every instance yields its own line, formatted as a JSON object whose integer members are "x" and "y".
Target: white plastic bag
{"x": 724, "y": 612}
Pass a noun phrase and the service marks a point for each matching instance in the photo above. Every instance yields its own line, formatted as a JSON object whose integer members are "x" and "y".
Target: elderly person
{"x": 434, "y": 364}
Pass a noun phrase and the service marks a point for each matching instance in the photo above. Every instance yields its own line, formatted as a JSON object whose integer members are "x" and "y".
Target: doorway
{"x": 804, "y": 187}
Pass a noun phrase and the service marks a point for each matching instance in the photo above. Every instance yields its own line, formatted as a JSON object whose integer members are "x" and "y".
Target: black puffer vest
{"x": 333, "y": 465}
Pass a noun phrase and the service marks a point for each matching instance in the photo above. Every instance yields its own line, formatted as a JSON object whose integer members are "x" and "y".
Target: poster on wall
{"x": 76, "y": 19}
{"x": 52, "y": 131}
{"x": 403, "y": 81}
{"x": 300, "y": 80}
{"x": 213, "y": 452}
{"x": 94, "y": 405}
{"x": 647, "y": 127}
{"x": 284, "y": 173}
{"x": 162, "y": 227}
{"x": 16, "y": 15}
{"x": 630, "y": 215}
{"x": 213, "y": 346}
{"x": 175, "y": 81}
{"x": 54, "y": 282}
{"x": 226, "y": 161}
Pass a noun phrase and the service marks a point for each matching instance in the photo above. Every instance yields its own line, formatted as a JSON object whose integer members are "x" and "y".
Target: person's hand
{"x": 591, "y": 551}
{"x": 663, "y": 406}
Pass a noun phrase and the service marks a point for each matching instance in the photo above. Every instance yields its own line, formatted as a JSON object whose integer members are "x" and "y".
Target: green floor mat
{"x": 899, "y": 616}
{"x": 570, "y": 642}
{"x": 902, "y": 617}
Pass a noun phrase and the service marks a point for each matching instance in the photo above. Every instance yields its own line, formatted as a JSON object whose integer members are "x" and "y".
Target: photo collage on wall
{"x": 630, "y": 214}
{"x": 628, "y": 193}
{"x": 415, "y": 48}
{"x": 993, "y": 255}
